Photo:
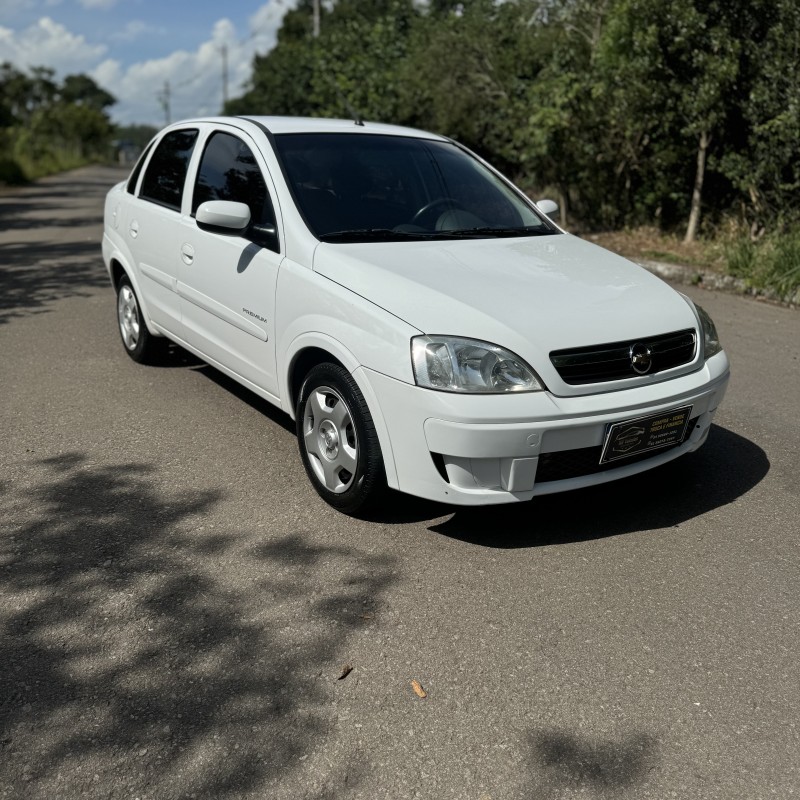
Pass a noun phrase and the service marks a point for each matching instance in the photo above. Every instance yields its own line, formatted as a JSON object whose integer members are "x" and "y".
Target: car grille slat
{"x": 612, "y": 361}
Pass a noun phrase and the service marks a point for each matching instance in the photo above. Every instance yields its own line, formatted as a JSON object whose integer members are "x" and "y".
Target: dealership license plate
{"x": 634, "y": 436}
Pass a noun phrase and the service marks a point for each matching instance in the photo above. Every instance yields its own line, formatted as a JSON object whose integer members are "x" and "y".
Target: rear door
{"x": 227, "y": 280}
{"x": 153, "y": 226}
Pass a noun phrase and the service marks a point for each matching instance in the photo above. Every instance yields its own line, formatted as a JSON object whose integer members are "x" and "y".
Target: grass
{"x": 770, "y": 263}
{"x": 650, "y": 244}
{"x": 20, "y": 165}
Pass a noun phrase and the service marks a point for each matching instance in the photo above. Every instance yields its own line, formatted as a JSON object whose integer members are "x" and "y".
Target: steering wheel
{"x": 428, "y": 207}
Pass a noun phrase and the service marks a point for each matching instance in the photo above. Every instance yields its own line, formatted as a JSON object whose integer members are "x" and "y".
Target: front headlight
{"x": 711, "y": 343}
{"x": 455, "y": 364}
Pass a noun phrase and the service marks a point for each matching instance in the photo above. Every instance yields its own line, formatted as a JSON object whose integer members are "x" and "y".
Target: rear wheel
{"x": 338, "y": 444}
{"x": 139, "y": 343}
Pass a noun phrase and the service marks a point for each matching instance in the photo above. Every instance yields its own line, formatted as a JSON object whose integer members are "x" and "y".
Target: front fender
{"x": 322, "y": 341}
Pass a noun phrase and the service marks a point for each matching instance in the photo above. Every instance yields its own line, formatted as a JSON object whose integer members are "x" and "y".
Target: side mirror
{"x": 223, "y": 216}
{"x": 549, "y": 208}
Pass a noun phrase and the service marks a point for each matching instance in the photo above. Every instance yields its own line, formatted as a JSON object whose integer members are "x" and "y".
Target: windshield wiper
{"x": 379, "y": 235}
{"x": 479, "y": 232}
{"x": 390, "y": 235}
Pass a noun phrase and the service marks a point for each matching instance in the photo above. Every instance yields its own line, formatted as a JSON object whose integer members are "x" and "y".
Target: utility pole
{"x": 163, "y": 99}
{"x": 224, "y": 49}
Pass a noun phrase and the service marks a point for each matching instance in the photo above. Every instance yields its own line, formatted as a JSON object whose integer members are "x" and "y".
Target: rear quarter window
{"x": 137, "y": 170}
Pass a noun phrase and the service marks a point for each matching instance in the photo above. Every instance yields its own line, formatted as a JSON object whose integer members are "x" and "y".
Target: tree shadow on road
{"x": 34, "y": 276}
{"x": 565, "y": 764}
{"x": 39, "y": 261}
{"x": 725, "y": 468}
{"x": 147, "y": 653}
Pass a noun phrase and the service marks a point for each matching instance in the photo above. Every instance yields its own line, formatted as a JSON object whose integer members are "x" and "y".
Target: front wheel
{"x": 140, "y": 344}
{"x": 338, "y": 444}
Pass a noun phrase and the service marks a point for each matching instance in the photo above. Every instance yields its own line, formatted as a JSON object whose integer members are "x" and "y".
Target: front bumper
{"x": 478, "y": 450}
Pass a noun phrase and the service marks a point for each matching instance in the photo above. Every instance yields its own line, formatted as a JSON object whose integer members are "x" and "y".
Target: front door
{"x": 227, "y": 280}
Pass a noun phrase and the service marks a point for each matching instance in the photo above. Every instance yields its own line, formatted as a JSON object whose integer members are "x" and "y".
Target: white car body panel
{"x": 513, "y": 292}
{"x": 476, "y": 453}
{"x": 226, "y": 287}
{"x": 253, "y": 313}
{"x": 151, "y": 232}
{"x": 313, "y": 304}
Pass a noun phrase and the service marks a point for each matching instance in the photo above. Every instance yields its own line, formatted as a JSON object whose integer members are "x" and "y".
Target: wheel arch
{"x": 302, "y": 363}
{"x": 117, "y": 270}
{"x": 312, "y": 349}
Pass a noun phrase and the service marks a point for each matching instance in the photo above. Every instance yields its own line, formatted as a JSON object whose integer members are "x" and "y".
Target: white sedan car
{"x": 426, "y": 326}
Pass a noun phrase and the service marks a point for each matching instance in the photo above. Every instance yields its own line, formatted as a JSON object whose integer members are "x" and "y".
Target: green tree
{"x": 138, "y": 135}
{"x": 631, "y": 110}
{"x": 764, "y": 166}
{"x": 81, "y": 90}
{"x": 349, "y": 66}
{"x": 46, "y": 126}
{"x": 676, "y": 69}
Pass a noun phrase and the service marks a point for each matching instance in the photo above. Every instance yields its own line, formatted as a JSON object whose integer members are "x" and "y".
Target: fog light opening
{"x": 438, "y": 462}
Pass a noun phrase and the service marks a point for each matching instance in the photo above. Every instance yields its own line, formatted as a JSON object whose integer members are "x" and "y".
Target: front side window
{"x": 166, "y": 173}
{"x": 229, "y": 171}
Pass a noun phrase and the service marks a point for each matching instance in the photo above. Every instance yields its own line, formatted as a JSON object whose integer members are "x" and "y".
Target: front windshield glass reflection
{"x": 362, "y": 187}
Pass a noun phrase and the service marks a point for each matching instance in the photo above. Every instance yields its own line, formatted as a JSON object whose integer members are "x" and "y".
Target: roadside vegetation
{"x": 681, "y": 118}
{"x": 669, "y": 131}
{"x": 48, "y": 126}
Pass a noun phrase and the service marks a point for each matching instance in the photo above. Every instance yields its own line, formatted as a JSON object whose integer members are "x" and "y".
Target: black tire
{"x": 139, "y": 343}
{"x": 338, "y": 444}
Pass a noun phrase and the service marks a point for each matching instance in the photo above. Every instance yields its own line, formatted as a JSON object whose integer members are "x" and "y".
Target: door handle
{"x": 187, "y": 253}
{"x": 134, "y": 229}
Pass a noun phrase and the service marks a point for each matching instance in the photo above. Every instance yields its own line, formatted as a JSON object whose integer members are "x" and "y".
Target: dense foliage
{"x": 632, "y": 111}
{"x": 46, "y": 126}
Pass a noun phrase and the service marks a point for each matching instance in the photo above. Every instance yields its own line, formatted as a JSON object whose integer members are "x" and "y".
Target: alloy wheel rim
{"x": 128, "y": 314}
{"x": 330, "y": 440}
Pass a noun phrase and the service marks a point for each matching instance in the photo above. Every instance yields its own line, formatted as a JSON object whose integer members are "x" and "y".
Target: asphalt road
{"x": 178, "y": 606}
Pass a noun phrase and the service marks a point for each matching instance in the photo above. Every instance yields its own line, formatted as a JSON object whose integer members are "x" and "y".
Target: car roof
{"x": 278, "y": 125}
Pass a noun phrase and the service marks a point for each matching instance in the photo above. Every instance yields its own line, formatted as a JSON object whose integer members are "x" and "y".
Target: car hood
{"x": 531, "y": 295}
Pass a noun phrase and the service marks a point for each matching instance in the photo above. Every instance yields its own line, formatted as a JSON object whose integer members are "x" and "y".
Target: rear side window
{"x": 134, "y": 178}
{"x": 229, "y": 171}
{"x": 166, "y": 172}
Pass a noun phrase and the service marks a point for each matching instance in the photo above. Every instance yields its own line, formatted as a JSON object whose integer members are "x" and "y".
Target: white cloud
{"x": 136, "y": 29}
{"x": 264, "y": 24}
{"x": 102, "y": 4}
{"x": 48, "y": 43}
{"x": 194, "y": 78}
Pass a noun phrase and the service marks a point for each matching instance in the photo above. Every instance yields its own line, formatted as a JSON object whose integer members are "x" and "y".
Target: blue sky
{"x": 133, "y": 47}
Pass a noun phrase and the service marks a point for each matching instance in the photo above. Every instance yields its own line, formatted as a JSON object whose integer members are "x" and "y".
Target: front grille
{"x": 612, "y": 362}
{"x": 586, "y": 461}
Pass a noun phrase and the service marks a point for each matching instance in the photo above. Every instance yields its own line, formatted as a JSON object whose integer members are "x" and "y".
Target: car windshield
{"x": 365, "y": 187}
